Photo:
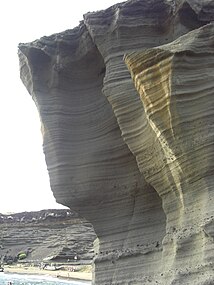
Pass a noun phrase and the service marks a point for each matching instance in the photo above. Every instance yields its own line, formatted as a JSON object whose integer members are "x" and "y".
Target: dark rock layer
{"x": 139, "y": 168}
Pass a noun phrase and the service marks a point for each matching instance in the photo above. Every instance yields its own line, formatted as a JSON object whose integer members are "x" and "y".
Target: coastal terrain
{"x": 126, "y": 103}
{"x": 79, "y": 273}
{"x": 53, "y": 242}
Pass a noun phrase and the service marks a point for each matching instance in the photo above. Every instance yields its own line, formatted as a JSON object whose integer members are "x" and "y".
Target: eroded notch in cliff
{"x": 189, "y": 17}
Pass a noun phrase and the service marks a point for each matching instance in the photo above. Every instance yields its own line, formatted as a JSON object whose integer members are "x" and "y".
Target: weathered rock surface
{"x": 135, "y": 159}
{"x": 55, "y": 235}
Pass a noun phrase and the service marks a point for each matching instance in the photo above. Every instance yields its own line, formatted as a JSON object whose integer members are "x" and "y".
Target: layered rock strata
{"x": 136, "y": 161}
{"x": 47, "y": 235}
{"x": 176, "y": 85}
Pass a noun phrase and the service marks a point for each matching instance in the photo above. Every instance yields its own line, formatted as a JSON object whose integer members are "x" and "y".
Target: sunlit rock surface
{"x": 135, "y": 159}
{"x": 176, "y": 85}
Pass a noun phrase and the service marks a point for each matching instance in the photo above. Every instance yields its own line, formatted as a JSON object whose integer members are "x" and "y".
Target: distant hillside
{"x": 56, "y": 235}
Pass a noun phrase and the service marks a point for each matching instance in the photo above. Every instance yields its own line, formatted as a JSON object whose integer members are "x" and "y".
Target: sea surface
{"x": 23, "y": 279}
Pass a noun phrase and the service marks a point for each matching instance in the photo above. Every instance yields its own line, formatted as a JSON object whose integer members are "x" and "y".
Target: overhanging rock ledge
{"x": 132, "y": 149}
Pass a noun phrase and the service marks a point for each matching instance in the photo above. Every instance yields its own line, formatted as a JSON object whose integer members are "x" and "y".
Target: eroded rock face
{"x": 175, "y": 83}
{"x": 135, "y": 159}
{"x": 47, "y": 235}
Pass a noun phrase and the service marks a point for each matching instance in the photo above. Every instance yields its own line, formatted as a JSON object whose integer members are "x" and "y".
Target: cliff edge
{"x": 126, "y": 107}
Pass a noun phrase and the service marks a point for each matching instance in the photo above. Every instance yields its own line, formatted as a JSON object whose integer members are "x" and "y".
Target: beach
{"x": 80, "y": 273}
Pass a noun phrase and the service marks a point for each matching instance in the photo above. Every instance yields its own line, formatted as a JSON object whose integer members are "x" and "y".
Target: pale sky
{"x": 24, "y": 184}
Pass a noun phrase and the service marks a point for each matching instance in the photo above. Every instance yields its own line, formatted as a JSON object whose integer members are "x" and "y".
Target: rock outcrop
{"x": 135, "y": 159}
{"x": 47, "y": 235}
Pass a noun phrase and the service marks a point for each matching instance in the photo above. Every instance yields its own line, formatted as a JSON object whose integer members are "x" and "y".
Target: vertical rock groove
{"x": 136, "y": 160}
{"x": 174, "y": 82}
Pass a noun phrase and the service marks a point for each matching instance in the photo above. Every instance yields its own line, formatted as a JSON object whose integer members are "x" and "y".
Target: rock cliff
{"x": 47, "y": 235}
{"x": 126, "y": 106}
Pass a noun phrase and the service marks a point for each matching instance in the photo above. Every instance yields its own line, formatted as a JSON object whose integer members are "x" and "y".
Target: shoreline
{"x": 58, "y": 274}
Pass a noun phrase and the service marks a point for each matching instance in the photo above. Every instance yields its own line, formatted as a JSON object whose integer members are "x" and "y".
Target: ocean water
{"x": 22, "y": 279}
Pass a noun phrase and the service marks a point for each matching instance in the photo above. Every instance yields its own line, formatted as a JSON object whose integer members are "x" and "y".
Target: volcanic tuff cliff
{"x": 131, "y": 149}
{"x": 55, "y": 235}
